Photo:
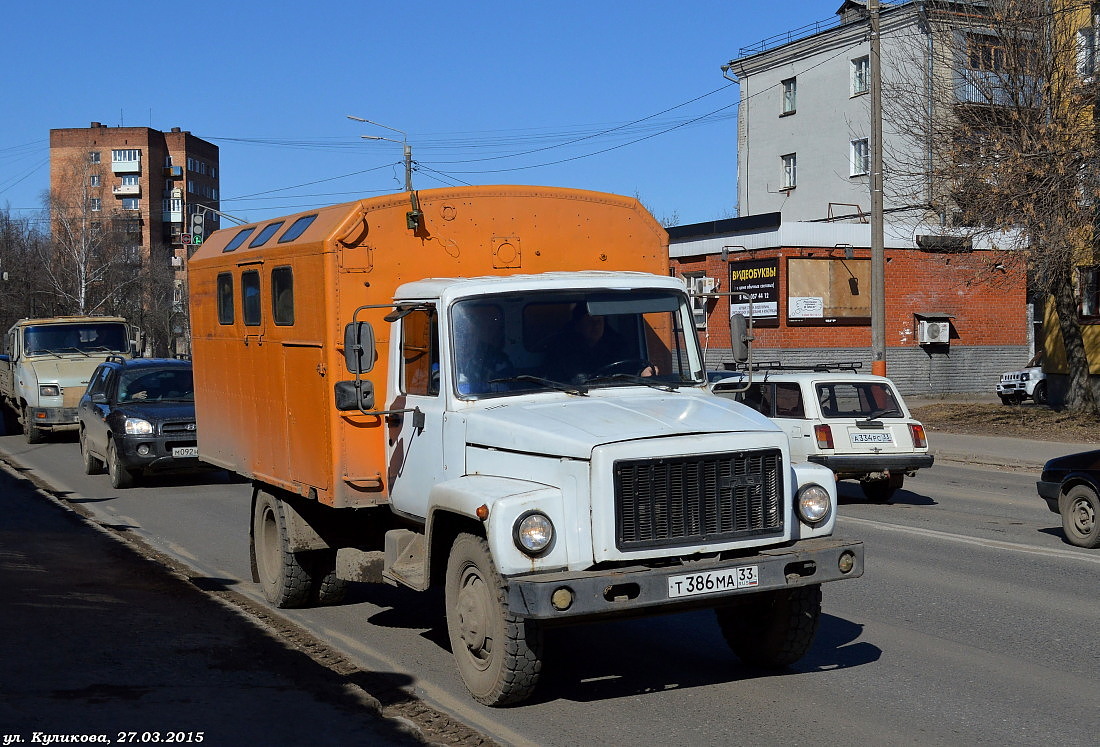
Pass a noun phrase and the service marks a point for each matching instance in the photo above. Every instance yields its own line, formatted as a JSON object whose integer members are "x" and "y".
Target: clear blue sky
{"x": 488, "y": 92}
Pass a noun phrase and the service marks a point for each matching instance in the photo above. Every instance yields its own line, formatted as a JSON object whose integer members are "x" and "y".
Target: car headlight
{"x": 49, "y": 390}
{"x": 814, "y": 504}
{"x": 533, "y": 532}
{"x": 138, "y": 427}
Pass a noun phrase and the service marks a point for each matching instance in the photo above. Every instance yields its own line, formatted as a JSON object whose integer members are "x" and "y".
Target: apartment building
{"x": 145, "y": 183}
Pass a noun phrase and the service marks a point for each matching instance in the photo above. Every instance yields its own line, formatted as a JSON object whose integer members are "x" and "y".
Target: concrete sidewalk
{"x": 97, "y": 641}
{"x": 997, "y": 451}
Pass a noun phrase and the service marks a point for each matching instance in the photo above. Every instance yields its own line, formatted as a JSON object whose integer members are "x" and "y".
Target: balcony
{"x": 126, "y": 167}
{"x": 127, "y": 190}
{"x": 171, "y": 216}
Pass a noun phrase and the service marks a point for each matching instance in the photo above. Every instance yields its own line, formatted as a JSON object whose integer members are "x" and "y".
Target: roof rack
{"x": 780, "y": 366}
{"x": 116, "y": 359}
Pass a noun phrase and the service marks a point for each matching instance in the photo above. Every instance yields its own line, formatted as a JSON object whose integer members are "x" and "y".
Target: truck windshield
{"x": 86, "y": 338}
{"x": 573, "y": 342}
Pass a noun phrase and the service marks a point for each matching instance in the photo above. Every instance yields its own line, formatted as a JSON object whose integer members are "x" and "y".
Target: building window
{"x": 1088, "y": 291}
{"x": 96, "y": 204}
{"x": 131, "y": 255}
{"x": 93, "y": 180}
{"x": 126, "y": 155}
{"x": 1086, "y": 52}
{"x": 790, "y": 171}
{"x": 790, "y": 91}
{"x": 861, "y": 75}
{"x": 861, "y": 157}
{"x": 985, "y": 53}
{"x": 131, "y": 203}
{"x": 282, "y": 295}
{"x": 131, "y": 180}
{"x": 93, "y": 156}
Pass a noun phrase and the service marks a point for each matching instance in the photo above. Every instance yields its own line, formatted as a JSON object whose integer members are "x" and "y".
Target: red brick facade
{"x": 987, "y": 300}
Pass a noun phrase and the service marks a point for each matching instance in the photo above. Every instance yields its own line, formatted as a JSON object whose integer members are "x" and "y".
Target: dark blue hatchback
{"x": 138, "y": 415}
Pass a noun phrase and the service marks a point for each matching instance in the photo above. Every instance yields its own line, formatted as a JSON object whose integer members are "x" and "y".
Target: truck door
{"x": 415, "y": 440}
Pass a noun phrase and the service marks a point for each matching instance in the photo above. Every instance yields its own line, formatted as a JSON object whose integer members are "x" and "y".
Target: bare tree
{"x": 23, "y": 293}
{"x": 88, "y": 264}
{"x": 1003, "y": 141}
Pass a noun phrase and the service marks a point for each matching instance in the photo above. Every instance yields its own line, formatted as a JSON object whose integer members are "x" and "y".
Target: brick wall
{"x": 989, "y": 328}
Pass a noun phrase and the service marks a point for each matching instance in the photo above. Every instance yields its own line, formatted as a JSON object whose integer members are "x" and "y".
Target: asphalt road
{"x": 973, "y": 623}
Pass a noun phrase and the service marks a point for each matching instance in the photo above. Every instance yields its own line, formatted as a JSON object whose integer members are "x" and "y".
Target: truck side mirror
{"x": 354, "y": 395}
{"x": 740, "y": 337}
{"x": 359, "y": 347}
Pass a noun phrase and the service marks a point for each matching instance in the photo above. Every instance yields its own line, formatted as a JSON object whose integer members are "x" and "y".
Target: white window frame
{"x": 131, "y": 203}
{"x": 789, "y": 102}
{"x": 131, "y": 180}
{"x": 860, "y": 157}
{"x": 94, "y": 180}
{"x": 790, "y": 170}
{"x": 1087, "y": 52}
{"x": 95, "y": 204}
{"x": 93, "y": 156}
{"x": 861, "y": 75}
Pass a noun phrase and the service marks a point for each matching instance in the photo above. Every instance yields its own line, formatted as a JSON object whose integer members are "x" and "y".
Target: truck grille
{"x": 668, "y": 502}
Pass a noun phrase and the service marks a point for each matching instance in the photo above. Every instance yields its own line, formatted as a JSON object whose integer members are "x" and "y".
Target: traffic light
{"x": 198, "y": 223}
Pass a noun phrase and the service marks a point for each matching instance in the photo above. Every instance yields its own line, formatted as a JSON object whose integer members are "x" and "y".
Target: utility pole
{"x": 404, "y": 142}
{"x": 878, "y": 253}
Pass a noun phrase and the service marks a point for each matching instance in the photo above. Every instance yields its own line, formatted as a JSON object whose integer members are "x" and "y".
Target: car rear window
{"x": 844, "y": 399}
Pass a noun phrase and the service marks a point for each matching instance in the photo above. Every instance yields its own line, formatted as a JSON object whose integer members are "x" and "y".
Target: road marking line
{"x": 998, "y": 544}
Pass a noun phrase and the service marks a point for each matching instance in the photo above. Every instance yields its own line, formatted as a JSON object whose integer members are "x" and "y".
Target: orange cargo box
{"x": 270, "y": 300}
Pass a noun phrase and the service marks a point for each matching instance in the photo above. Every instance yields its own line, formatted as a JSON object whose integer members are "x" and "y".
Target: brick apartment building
{"x": 146, "y": 182}
{"x": 956, "y": 316}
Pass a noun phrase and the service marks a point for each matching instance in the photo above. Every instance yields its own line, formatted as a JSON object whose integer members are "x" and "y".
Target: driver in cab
{"x": 588, "y": 347}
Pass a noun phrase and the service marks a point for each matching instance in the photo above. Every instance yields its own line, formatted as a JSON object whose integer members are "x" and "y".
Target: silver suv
{"x": 855, "y": 424}
{"x": 1030, "y": 382}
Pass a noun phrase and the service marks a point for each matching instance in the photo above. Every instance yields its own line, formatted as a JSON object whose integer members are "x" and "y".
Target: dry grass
{"x": 1022, "y": 421}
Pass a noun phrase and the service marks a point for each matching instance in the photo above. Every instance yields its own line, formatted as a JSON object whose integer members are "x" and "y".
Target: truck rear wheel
{"x": 499, "y": 655}
{"x": 32, "y": 432}
{"x": 772, "y": 629}
{"x": 284, "y": 576}
{"x": 326, "y": 587}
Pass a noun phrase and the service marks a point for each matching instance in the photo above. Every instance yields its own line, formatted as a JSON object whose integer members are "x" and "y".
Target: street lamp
{"x": 404, "y": 141}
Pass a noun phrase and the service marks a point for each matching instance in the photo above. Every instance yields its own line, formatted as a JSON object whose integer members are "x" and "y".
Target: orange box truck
{"x": 499, "y": 391}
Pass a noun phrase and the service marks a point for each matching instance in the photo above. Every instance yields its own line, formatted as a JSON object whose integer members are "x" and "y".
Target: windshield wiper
{"x": 881, "y": 413}
{"x": 635, "y": 379}
{"x": 74, "y": 350}
{"x": 577, "y": 389}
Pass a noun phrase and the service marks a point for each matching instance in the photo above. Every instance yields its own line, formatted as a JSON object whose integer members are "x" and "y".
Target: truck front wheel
{"x": 499, "y": 655}
{"x": 284, "y": 576}
{"x": 32, "y": 432}
{"x": 772, "y": 629}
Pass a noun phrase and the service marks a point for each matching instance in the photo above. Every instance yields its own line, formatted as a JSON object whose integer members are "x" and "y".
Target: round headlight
{"x": 533, "y": 532}
{"x": 814, "y": 504}
{"x": 138, "y": 427}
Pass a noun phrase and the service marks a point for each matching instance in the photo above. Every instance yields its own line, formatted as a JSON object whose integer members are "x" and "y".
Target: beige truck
{"x": 46, "y": 365}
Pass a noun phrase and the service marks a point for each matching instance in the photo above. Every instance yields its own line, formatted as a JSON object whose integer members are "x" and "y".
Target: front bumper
{"x": 56, "y": 418}
{"x": 155, "y": 452}
{"x": 645, "y": 590}
{"x": 1049, "y": 492}
{"x": 854, "y": 464}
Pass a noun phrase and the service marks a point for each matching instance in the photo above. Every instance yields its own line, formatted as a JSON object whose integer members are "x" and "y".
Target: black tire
{"x": 1080, "y": 511}
{"x": 772, "y": 629}
{"x": 1039, "y": 396}
{"x": 121, "y": 477}
{"x": 11, "y": 419}
{"x": 499, "y": 655}
{"x": 284, "y": 576}
{"x": 31, "y": 432}
{"x": 882, "y": 489}
{"x": 1006, "y": 399}
{"x": 325, "y": 587}
{"x": 92, "y": 465}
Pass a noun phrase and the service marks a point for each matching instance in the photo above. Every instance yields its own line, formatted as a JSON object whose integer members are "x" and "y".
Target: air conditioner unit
{"x": 934, "y": 332}
{"x": 698, "y": 288}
